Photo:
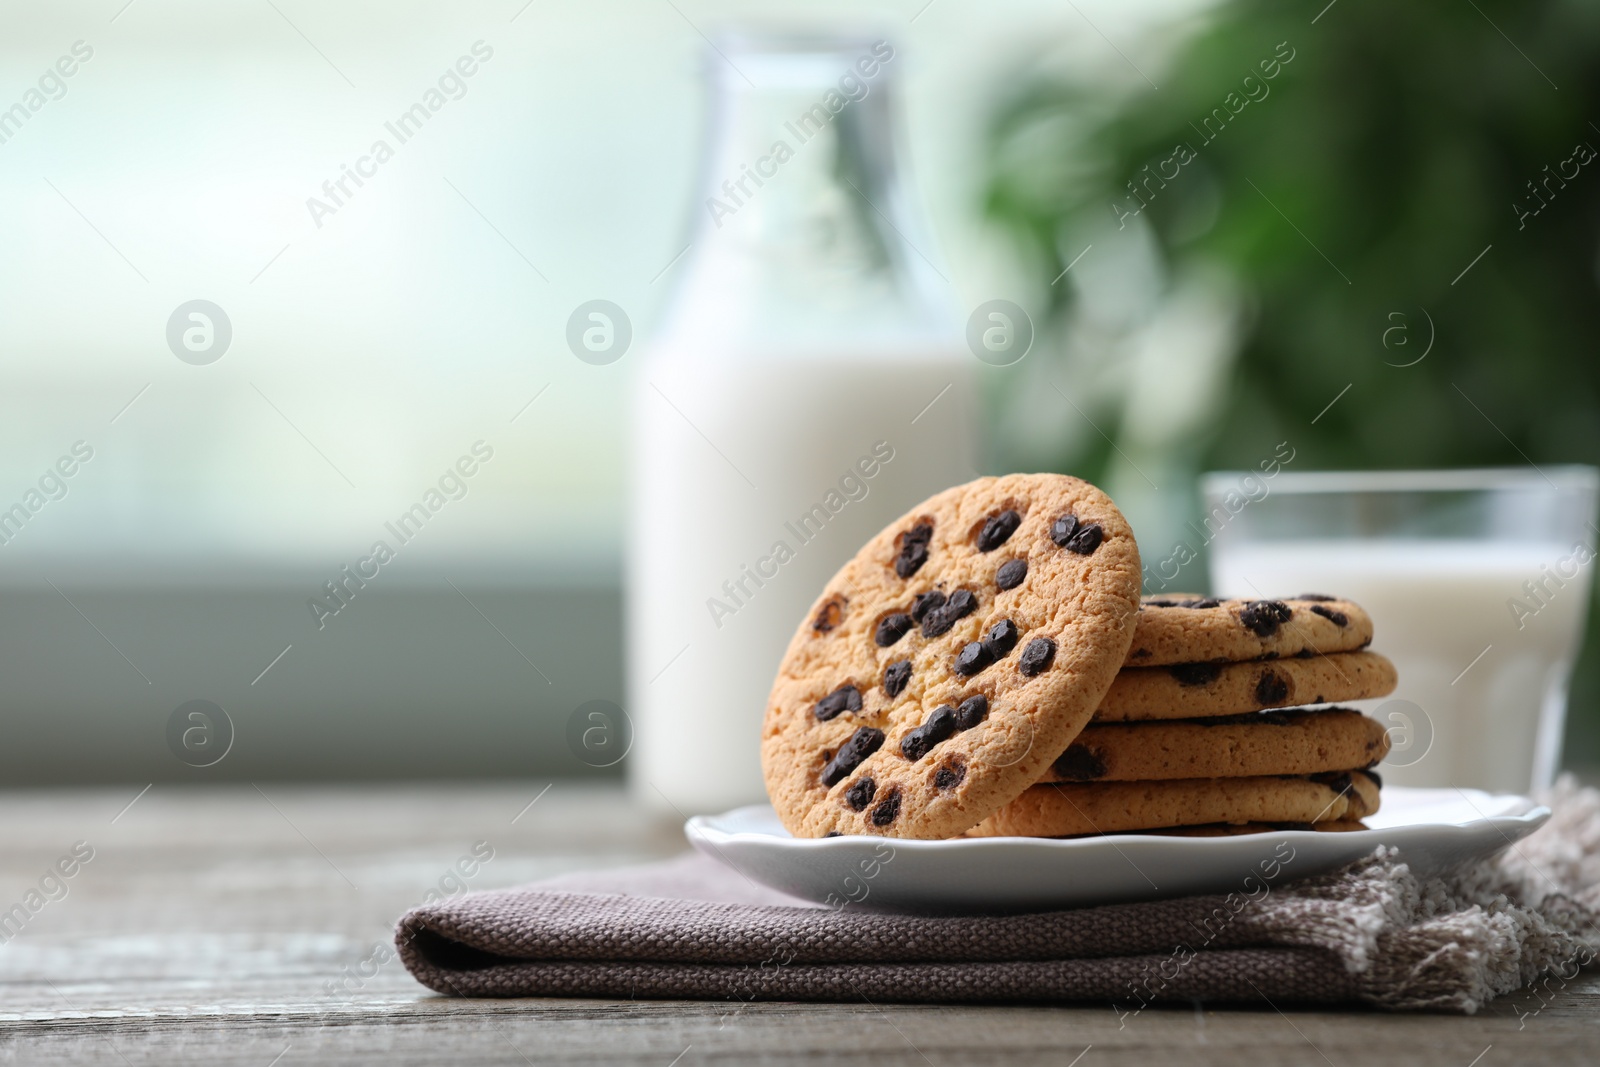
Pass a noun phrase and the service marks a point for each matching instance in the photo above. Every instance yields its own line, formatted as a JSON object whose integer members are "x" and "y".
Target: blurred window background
{"x": 393, "y": 323}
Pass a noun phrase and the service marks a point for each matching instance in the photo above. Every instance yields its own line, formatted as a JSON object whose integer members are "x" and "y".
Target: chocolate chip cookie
{"x": 946, "y": 665}
{"x": 1191, "y": 690}
{"x": 1112, "y": 807}
{"x": 1177, "y": 629}
{"x": 1236, "y": 746}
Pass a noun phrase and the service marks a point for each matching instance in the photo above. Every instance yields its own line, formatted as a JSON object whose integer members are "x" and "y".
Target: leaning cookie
{"x": 1236, "y": 746}
{"x": 1191, "y": 690}
{"x": 1194, "y": 629}
{"x": 951, "y": 660}
{"x": 1111, "y": 807}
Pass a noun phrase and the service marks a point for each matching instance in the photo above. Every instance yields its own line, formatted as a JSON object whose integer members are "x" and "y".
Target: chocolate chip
{"x": 1062, "y": 529}
{"x": 844, "y": 698}
{"x": 1080, "y": 763}
{"x": 1338, "y": 618}
{"x": 895, "y": 677}
{"x": 913, "y": 550}
{"x": 939, "y": 725}
{"x": 973, "y": 657}
{"x": 950, "y": 775}
{"x": 972, "y": 711}
{"x": 1086, "y": 540}
{"x": 1305, "y": 653}
{"x": 859, "y": 795}
{"x": 1174, "y": 602}
{"x": 1195, "y": 673}
{"x": 913, "y": 554}
{"x": 1338, "y": 781}
{"x": 1271, "y": 688}
{"x": 1037, "y": 657}
{"x": 926, "y": 602}
{"x": 938, "y": 621}
{"x": 863, "y": 743}
{"x": 998, "y": 530}
{"x": 1263, "y": 617}
{"x": 1370, "y": 773}
{"x": 830, "y": 614}
{"x": 1268, "y": 655}
{"x": 1315, "y": 596}
{"x": 833, "y": 833}
{"x": 1204, "y": 602}
{"x": 1001, "y": 638}
{"x": 892, "y": 628}
{"x": 885, "y": 813}
{"x": 1011, "y": 573}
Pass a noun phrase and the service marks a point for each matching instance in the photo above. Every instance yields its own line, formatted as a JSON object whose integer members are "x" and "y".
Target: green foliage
{"x": 1385, "y": 155}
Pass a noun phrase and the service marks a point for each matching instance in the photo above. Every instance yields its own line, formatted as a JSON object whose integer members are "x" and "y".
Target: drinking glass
{"x": 1477, "y": 582}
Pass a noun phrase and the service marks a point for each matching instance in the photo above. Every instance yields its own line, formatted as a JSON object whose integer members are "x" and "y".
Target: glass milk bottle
{"x": 808, "y": 386}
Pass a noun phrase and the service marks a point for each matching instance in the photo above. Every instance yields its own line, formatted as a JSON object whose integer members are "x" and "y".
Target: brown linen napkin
{"x": 1371, "y": 933}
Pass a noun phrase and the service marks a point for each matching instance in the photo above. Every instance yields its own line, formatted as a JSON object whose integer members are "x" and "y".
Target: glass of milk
{"x": 808, "y": 385}
{"x": 1477, "y": 582}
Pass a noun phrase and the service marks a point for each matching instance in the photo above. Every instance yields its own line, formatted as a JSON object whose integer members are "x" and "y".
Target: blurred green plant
{"x": 1347, "y": 194}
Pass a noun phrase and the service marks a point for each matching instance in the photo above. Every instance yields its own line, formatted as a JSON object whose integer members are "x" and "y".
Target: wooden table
{"x": 216, "y": 925}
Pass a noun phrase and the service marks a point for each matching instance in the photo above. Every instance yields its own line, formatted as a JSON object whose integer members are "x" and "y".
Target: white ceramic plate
{"x": 1432, "y": 828}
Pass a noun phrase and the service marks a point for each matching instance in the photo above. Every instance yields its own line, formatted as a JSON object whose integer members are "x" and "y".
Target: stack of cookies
{"x": 1181, "y": 739}
{"x": 985, "y": 666}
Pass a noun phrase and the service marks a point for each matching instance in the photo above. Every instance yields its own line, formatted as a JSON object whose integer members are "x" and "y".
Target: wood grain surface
{"x": 237, "y": 925}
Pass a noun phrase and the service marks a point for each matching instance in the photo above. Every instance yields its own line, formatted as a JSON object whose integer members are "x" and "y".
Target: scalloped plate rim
{"x": 942, "y": 878}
